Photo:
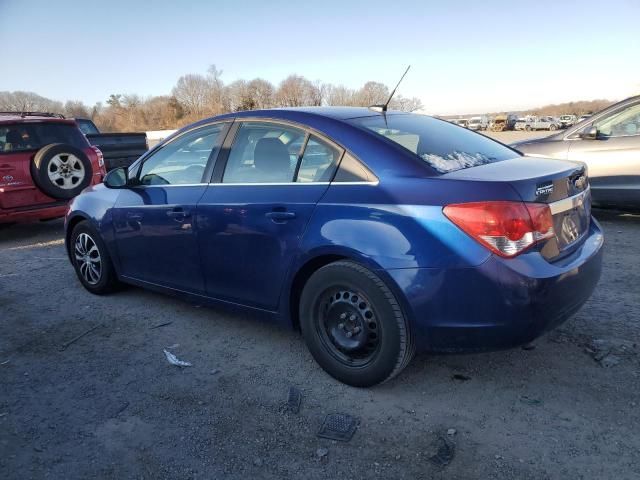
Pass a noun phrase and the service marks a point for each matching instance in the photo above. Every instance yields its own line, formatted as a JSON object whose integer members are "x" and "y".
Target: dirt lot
{"x": 110, "y": 406}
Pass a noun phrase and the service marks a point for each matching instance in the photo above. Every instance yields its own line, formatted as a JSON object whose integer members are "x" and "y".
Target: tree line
{"x": 196, "y": 96}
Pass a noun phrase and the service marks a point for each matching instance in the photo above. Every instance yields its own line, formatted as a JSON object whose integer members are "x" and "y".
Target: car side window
{"x": 319, "y": 161}
{"x": 264, "y": 152}
{"x": 623, "y": 123}
{"x": 183, "y": 161}
{"x": 351, "y": 170}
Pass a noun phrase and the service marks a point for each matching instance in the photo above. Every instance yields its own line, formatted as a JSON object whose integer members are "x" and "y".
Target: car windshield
{"x": 442, "y": 146}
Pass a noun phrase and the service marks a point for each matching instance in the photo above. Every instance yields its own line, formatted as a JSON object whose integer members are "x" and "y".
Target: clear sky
{"x": 466, "y": 56}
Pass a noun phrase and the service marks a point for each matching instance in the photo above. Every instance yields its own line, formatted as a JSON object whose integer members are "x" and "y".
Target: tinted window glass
{"x": 32, "y": 136}
{"x": 318, "y": 162}
{"x": 622, "y": 123}
{"x": 182, "y": 161}
{"x": 264, "y": 153}
{"x": 86, "y": 126}
{"x": 351, "y": 170}
{"x": 443, "y": 146}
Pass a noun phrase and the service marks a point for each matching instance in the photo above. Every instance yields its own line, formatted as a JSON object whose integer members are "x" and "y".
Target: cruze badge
{"x": 7, "y": 178}
{"x": 544, "y": 189}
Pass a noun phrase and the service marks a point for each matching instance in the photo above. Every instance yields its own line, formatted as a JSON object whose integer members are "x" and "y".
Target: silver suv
{"x": 609, "y": 143}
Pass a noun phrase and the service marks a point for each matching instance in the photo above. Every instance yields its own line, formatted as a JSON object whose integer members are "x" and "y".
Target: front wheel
{"x": 91, "y": 260}
{"x": 354, "y": 326}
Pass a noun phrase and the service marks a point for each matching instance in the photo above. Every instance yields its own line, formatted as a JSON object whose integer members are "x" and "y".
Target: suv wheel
{"x": 91, "y": 260}
{"x": 61, "y": 171}
{"x": 354, "y": 326}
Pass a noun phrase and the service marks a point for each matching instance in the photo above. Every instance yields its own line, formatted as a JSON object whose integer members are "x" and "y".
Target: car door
{"x": 154, "y": 220}
{"x": 613, "y": 156}
{"x": 252, "y": 217}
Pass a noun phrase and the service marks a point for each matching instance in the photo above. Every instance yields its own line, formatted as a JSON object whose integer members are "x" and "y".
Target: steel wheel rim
{"x": 335, "y": 311}
{"x": 88, "y": 259}
{"x": 65, "y": 170}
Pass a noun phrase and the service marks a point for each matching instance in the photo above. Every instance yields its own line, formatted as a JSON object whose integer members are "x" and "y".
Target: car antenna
{"x": 383, "y": 108}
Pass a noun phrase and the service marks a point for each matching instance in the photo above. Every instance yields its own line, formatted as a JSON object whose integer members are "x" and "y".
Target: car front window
{"x": 441, "y": 145}
{"x": 182, "y": 161}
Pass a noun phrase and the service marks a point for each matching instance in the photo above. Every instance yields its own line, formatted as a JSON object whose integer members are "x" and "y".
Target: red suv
{"x": 45, "y": 161}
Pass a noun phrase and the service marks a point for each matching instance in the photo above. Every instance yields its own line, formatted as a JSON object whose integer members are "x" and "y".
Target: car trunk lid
{"x": 563, "y": 185}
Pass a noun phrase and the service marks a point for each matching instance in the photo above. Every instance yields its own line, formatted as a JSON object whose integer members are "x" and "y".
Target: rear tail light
{"x": 506, "y": 228}
{"x": 99, "y": 155}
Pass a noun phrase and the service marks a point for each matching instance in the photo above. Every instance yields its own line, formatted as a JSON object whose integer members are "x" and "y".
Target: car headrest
{"x": 271, "y": 156}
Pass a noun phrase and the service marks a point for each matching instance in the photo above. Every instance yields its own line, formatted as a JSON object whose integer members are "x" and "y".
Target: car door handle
{"x": 136, "y": 217}
{"x": 178, "y": 214}
{"x": 280, "y": 216}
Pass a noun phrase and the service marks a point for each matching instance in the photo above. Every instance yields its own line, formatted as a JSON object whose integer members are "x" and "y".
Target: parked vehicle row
{"x": 511, "y": 121}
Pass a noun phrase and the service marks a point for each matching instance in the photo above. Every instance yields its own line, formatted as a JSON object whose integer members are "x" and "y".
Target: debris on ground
{"x": 160, "y": 325}
{"x": 461, "y": 377}
{"x": 445, "y": 450}
{"x": 338, "y": 426}
{"x": 294, "y": 399}
{"x": 322, "y": 453}
{"x": 4, "y": 414}
{"x": 214, "y": 371}
{"x": 5, "y": 362}
{"x": 530, "y": 401}
{"x": 75, "y": 339}
{"x": 257, "y": 462}
{"x": 451, "y": 431}
{"x": 609, "y": 352}
{"x": 173, "y": 360}
{"x": 173, "y": 347}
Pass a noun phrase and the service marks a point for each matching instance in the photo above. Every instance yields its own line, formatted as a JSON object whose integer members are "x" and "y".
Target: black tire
{"x": 106, "y": 280}
{"x": 70, "y": 162}
{"x": 381, "y": 328}
{"x": 527, "y": 128}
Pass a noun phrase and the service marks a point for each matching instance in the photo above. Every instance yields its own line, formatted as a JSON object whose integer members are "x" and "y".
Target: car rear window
{"x": 443, "y": 146}
{"x": 33, "y": 136}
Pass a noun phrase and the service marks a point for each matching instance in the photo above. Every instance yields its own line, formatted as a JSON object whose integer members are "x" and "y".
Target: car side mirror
{"x": 116, "y": 178}
{"x": 589, "y": 133}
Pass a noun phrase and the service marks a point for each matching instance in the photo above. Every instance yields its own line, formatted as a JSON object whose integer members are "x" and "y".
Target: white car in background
{"x": 537, "y": 123}
{"x": 478, "y": 123}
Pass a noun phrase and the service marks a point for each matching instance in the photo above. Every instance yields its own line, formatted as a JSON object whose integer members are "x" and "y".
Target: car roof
{"x": 336, "y": 113}
{"x": 17, "y": 118}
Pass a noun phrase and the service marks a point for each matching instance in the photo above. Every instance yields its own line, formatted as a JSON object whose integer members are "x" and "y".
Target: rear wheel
{"x": 552, "y": 127}
{"x": 527, "y": 128}
{"x": 354, "y": 326}
{"x": 91, "y": 260}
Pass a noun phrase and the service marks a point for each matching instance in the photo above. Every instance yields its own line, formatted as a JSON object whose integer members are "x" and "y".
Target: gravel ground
{"x": 110, "y": 406}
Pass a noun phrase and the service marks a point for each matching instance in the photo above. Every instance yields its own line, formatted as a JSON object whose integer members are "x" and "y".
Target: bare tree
{"x": 340, "y": 95}
{"x": 295, "y": 91}
{"x": 19, "y": 101}
{"x": 262, "y": 93}
{"x": 372, "y": 93}
{"x": 405, "y": 104}
{"x": 193, "y": 93}
{"x": 75, "y": 108}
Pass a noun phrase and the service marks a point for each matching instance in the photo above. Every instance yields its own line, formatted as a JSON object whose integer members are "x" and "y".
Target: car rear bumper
{"x": 501, "y": 303}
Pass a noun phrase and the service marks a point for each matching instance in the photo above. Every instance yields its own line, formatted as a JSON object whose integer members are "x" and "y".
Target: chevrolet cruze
{"x": 375, "y": 233}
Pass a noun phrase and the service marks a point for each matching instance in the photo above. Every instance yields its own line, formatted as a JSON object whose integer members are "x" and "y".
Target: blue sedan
{"x": 375, "y": 233}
